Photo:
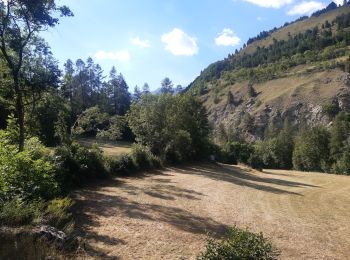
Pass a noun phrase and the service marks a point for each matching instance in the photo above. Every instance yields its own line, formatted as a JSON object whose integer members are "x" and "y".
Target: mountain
{"x": 298, "y": 72}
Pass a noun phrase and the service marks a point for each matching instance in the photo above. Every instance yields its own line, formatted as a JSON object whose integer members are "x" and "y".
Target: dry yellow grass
{"x": 109, "y": 148}
{"x": 166, "y": 214}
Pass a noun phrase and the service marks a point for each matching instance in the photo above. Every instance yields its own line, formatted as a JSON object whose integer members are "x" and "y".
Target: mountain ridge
{"x": 293, "y": 74}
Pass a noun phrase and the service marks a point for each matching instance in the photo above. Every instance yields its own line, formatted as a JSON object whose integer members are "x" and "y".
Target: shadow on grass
{"x": 237, "y": 176}
{"x": 97, "y": 200}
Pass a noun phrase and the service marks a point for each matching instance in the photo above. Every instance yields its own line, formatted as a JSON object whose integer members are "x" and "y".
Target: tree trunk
{"x": 20, "y": 114}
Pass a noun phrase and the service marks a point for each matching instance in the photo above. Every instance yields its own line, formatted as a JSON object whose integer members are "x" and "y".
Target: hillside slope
{"x": 296, "y": 72}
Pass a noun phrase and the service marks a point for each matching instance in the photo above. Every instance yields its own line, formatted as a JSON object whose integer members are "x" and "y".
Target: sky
{"x": 148, "y": 40}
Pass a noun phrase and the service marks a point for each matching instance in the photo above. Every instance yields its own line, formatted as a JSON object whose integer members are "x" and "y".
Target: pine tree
{"x": 137, "y": 93}
{"x": 145, "y": 89}
{"x": 167, "y": 86}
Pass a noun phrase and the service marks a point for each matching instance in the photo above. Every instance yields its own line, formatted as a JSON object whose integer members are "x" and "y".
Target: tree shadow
{"x": 237, "y": 176}
{"x": 92, "y": 203}
{"x": 163, "y": 191}
{"x": 97, "y": 200}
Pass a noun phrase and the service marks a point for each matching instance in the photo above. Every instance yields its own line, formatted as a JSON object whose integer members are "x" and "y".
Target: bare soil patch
{"x": 167, "y": 214}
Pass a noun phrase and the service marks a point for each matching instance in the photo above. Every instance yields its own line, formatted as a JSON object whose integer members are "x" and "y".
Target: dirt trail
{"x": 166, "y": 215}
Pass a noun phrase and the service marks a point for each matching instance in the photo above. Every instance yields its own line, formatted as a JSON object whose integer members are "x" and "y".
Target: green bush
{"x": 58, "y": 212}
{"x": 76, "y": 165}
{"x": 122, "y": 164}
{"x": 276, "y": 153}
{"x": 331, "y": 109}
{"x": 342, "y": 166}
{"x": 17, "y": 212}
{"x": 143, "y": 158}
{"x": 140, "y": 158}
{"x": 312, "y": 150}
{"x": 28, "y": 174}
{"x": 255, "y": 161}
{"x": 236, "y": 152}
{"x": 239, "y": 244}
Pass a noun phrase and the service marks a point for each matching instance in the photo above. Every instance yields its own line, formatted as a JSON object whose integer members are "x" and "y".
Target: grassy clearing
{"x": 109, "y": 148}
{"x": 167, "y": 214}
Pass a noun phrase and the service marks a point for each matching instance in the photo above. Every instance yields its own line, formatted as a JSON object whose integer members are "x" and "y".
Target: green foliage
{"x": 234, "y": 152}
{"x": 270, "y": 61}
{"x": 276, "y": 152}
{"x": 44, "y": 116}
{"x": 140, "y": 158}
{"x": 255, "y": 161}
{"x": 94, "y": 122}
{"x": 331, "y": 109}
{"x": 30, "y": 63}
{"x": 76, "y": 165}
{"x": 251, "y": 91}
{"x": 239, "y": 244}
{"x": 121, "y": 165}
{"x": 174, "y": 127}
{"x": 143, "y": 158}
{"x": 342, "y": 165}
{"x": 17, "y": 212}
{"x": 312, "y": 151}
{"x": 58, "y": 212}
{"x": 118, "y": 91}
{"x": 340, "y": 133}
{"x": 61, "y": 129}
{"x": 167, "y": 86}
{"x": 28, "y": 174}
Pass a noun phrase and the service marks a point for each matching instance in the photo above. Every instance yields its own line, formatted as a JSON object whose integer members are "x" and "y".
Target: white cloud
{"x": 306, "y": 8}
{"x": 141, "y": 43}
{"x": 227, "y": 38}
{"x": 270, "y": 3}
{"x": 123, "y": 55}
{"x": 339, "y": 2}
{"x": 179, "y": 43}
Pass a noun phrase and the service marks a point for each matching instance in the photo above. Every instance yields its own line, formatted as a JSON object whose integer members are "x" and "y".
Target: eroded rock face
{"x": 302, "y": 105}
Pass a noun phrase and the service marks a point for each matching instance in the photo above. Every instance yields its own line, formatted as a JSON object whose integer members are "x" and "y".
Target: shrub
{"x": 28, "y": 174}
{"x": 143, "y": 158}
{"x": 122, "y": 164}
{"x": 76, "y": 165}
{"x": 17, "y": 212}
{"x": 255, "y": 161}
{"x": 311, "y": 151}
{"x": 179, "y": 148}
{"x": 331, "y": 109}
{"x": 239, "y": 244}
{"x": 276, "y": 153}
{"x": 58, "y": 213}
{"x": 238, "y": 152}
{"x": 342, "y": 166}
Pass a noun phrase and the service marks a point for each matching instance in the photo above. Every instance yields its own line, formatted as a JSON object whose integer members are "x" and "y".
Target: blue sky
{"x": 148, "y": 40}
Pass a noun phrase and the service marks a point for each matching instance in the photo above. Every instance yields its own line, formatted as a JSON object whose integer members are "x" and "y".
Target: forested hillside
{"x": 297, "y": 72}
